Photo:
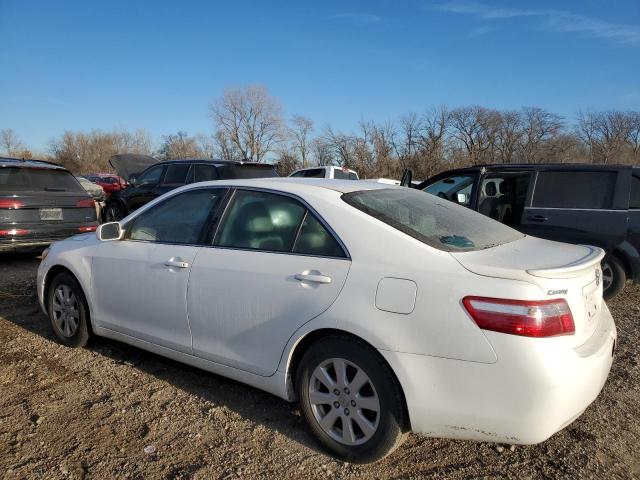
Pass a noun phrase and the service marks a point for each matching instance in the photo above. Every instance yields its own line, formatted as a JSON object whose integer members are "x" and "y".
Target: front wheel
{"x": 113, "y": 213}
{"x": 613, "y": 277}
{"x": 350, "y": 400}
{"x": 68, "y": 311}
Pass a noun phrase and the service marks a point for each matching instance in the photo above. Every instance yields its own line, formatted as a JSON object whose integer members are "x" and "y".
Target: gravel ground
{"x": 115, "y": 411}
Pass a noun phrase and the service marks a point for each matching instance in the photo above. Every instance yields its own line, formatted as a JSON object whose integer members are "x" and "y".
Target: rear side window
{"x": 179, "y": 219}
{"x": 571, "y": 189}
{"x": 314, "y": 173}
{"x": 314, "y": 239}
{"x": 204, "y": 173}
{"x": 438, "y": 223}
{"x": 344, "y": 175}
{"x": 634, "y": 200}
{"x": 252, "y": 171}
{"x": 38, "y": 180}
{"x": 177, "y": 174}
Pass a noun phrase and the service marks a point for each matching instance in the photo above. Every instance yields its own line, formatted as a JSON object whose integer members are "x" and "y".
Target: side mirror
{"x": 462, "y": 198}
{"x": 109, "y": 231}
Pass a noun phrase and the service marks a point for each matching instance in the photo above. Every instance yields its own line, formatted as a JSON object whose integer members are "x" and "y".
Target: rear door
{"x": 579, "y": 206}
{"x": 273, "y": 267}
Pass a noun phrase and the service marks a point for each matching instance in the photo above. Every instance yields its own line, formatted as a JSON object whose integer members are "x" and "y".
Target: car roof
{"x": 295, "y": 184}
{"x": 539, "y": 166}
{"x": 29, "y": 163}
{"x": 217, "y": 162}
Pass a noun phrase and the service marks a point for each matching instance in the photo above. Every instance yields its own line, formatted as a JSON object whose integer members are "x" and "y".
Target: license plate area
{"x": 591, "y": 304}
{"x": 51, "y": 214}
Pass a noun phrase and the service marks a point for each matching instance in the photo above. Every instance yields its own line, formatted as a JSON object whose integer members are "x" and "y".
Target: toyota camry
{"x": 380, "y": 309}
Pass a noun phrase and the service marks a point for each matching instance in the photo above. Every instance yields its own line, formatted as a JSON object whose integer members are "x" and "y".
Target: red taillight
{"x": 10, "y": 203}
{"x": 13, "y": 232}
{"x": 86, "y": 203}
{"x": 537, "y": 318}
{"x": 90, "y": 228}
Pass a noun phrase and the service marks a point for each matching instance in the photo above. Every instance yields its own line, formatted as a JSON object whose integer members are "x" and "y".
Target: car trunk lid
{"x": 560, "y": 270}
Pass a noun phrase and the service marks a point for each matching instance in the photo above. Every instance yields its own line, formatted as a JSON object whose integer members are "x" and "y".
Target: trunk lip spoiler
{"x": 593, "y": 257}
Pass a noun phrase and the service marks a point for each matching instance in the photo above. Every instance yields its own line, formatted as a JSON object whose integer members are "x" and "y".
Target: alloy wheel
{"x": 66, "y": 311}
{"x": 344, "y": 401}
{"x": 607, "y": 275}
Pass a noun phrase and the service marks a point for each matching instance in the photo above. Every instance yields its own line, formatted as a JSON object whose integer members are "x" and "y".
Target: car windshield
{"x": 38, "y": 180}
{"x": 432, "y": 220}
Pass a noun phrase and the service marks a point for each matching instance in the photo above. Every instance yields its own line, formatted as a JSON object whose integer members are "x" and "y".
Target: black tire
{"x": 391, "y": 419}
{"x": 67, "y": 330}
{"x": 613, "y": 276}
{"x": 113, "y": 213}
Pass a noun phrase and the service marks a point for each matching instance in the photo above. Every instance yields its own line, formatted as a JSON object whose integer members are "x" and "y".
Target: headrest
{"x": 504, "y": 187}
{"x": 490, "y": 189}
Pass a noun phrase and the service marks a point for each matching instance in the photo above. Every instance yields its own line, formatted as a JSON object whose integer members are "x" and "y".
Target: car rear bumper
{"x": 525, "y": 397}
{"x": 40, "y": 237}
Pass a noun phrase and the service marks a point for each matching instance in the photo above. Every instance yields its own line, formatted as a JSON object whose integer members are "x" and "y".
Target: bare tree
{"x": 10, "y": 144}
{"x": 301, "y": 129}
{"x": 250, "y": 119}
{"x": 538, "y": 126}
{"x": 179, "y": 146}
{"x": 634, "y": 135}
{"x": 341, "y": 145}
{"x": 509, "y": 135}
{"x": 321, "y": 151}
{"x": 606, "y": 133}
{"x": 470, "y": 126}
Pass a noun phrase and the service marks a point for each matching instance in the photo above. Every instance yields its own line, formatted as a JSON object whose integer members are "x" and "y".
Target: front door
{"x": 139, "y": 283}
{"x": 273, "y": 267}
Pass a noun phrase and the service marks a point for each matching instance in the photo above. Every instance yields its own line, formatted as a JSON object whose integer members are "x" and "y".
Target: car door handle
{"x": 537, "y": 218}
{"x": 308, "y": 277}
{"x": 172, "y": 262}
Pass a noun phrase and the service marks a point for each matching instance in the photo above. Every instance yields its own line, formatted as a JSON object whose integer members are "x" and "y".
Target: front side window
{"x": 179, "y": 219}
{"x": 176, "y": 174}
{"x": 341, "y": 174}
{"x": 634, "y": 199}
{"x": 151, "y": 176}
{"x": 442, "y": 225}
{"x": 574, "y": 189}
{"x": 456, "y": 188}
{"x": 260, "y": 221}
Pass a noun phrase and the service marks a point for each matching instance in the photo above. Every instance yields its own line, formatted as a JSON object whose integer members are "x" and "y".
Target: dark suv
{"x": 586, "y": 204}
{"x": 161, "y": 177}
{"x": 41, "y": 202}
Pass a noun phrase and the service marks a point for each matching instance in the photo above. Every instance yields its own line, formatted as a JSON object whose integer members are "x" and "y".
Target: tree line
{"x": 249, "y": 124}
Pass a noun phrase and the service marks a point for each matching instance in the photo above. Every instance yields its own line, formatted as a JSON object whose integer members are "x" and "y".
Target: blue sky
{"x": 83, "y": 65}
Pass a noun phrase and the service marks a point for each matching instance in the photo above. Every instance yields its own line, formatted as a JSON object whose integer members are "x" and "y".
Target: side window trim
{"x": 204, "y": 234}
{"x": 224, "y": 207}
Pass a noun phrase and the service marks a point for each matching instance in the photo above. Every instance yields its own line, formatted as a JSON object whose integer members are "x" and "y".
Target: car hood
{"x": 128, "y": 164}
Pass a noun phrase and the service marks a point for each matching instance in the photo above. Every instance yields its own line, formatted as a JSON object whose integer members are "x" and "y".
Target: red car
{"x": 110, "y": 183}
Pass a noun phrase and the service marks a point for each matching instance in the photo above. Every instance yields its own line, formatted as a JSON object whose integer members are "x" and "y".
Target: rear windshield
{"x": 432, "y": 220}
{"x": 251, "y": 171}
{"x": 16, "y": 179}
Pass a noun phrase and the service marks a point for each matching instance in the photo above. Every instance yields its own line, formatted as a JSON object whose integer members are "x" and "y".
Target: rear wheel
{"x": 113, "y": 213}
{"x": 68, "y": 311}
{"x": 350, "y": 399}
{"x": 613, "y": 277}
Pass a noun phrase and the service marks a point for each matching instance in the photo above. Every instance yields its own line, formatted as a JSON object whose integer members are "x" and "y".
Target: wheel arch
{"x": 303, "y": 344}
{"x": 50, "y": 275}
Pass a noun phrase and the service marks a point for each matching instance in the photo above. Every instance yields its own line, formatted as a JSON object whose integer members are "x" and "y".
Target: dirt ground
{"x": 113, "y": 411}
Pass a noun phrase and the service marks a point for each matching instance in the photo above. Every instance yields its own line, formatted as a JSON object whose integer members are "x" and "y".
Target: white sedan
{"x": 380, "y": 309}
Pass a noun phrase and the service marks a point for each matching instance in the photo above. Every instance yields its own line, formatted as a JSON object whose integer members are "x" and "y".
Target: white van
{"x": 340, "y": 173}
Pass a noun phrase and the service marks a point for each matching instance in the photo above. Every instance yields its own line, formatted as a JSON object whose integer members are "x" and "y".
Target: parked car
{"x": 162, "y": 177}
{"x": 581, "y": 204}
{"x": 110, "y": 183}
{"x": 468, "y": 329}
{"x": 40, "y": 202}
{"x": 96, "y": 191}
{"x": 339, "y": 173}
